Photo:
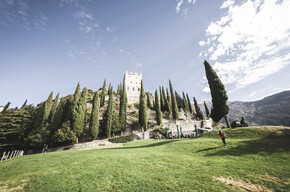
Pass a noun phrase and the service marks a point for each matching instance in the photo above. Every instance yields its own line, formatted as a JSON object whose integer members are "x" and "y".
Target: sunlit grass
{"x": 155, "y": 165}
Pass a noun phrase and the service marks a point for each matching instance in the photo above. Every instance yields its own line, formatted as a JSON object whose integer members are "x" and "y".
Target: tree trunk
{"x": 227, "y": 121}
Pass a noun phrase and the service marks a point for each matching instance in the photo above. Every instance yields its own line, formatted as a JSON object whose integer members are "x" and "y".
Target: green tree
{"x": 158, "y": 109}
{"x": 53, "y": 109}
{"x": 123, "y": 107}
{"x": 173, "y": 102}
{"x": 178, "y": 101}
{"x": 76, "y": 98}
{"x": 162, "y": 100}
{"x": 49, "y": 104}
{"x": 168, "y": 107}
{"x": 184, "y": 103}
{"x": 143, "y": 109}
{"x": 79, "y": 114}
{"x": 189, "y": 104}
{"x": 104, "y": 90}
{"x": 24, "y": 104}
{"x": 219, "y": 96}
{"x": 64, "y": 136}
{"x": 206, "y": 110}
{"x": 5, "y": 109}
{"x": 199, "y": 113}
{"x": 56, "y": 120}
{"x": 40, "y": 116}
{"x": 149, "y": 103}
{"x": 108, "y": 118}
{"x": 94, "y": 121}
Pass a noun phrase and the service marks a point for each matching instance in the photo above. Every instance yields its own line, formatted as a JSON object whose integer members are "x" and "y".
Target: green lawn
{"x": 251, "y": 162}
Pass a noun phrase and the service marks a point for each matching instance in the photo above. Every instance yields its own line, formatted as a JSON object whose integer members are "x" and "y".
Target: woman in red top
{"x": 223, "y": 137}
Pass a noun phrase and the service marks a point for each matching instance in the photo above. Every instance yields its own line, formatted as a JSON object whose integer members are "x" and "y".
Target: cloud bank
{"x": 250, "y": 42}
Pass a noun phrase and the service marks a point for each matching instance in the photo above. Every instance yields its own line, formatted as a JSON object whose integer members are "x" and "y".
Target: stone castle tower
{"x": 133, "y": 86}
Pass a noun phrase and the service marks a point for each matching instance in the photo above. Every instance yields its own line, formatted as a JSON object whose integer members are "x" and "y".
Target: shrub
{"x": 124, "y": 139}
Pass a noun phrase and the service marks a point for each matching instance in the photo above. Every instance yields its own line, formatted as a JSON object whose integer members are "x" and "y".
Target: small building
{"x": 133, "y": 86}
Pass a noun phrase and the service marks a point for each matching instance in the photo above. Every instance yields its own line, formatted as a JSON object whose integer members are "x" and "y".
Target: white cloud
{"x": 201, "y": 43}
{"x": 250, "y": 42}
{"x": 227, "y": 4}
{"x": 138, "y": 65}
{"x": 206, "y": 89}
{"x": 180, "y": 3}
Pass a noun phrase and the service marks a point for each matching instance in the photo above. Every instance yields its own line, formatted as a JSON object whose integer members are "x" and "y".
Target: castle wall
{"x": 133, "y": 86}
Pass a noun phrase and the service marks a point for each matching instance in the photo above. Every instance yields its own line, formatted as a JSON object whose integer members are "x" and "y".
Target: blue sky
{"x": 52, "y": 45}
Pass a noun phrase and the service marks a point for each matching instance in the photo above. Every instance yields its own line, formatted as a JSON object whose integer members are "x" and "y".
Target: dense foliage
{"x": 124, "y": 139}
{"x": 143, "y": 109}
{"x": 219, "y": 96}
{"x": 158, "y": 109}
{"x": 173, "y": 102}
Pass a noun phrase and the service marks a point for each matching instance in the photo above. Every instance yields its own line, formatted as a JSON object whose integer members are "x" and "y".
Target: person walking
{"x": 223, "y": 137}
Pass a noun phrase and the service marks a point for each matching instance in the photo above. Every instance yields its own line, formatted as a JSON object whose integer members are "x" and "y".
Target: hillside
{"x": 256, "y": 162}
{"x": 271, "y": 110}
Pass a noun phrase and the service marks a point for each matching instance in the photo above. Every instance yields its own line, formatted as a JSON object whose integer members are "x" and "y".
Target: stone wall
{"x": 133, "y": 86}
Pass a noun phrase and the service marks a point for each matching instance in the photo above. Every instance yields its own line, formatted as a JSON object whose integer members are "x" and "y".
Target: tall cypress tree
{"x": 53, "y": 109}
{"x": 123, "y": 107}
{"x": 178, "y": 101}
{"x": 104, "y": 90}
{"x": 94, "y": 121}
{"x": 173, "y": 102}
{"x": 40, "y": 116}
{"x": 158, "y": 109}
{"x": 184, "y": 103}
{"x": 56, "y": 120}
{"x": 169, "y": 107}
{"x": 79, "y": 114}
{"x": 219, "y": 96}
{"x": 162, "y": 102}
{"x": 206, "y": 110}
{"x": 143, "y": 109}
{"x": 49, "y": 104}
{"x": 149, "y": 104}
{"x": 189, "y": 104}
{"x": 199, "y": 113}
{"x": 108, "y": 119}
{"x": 24, "y": 104}
{"x": 5, "y": 109}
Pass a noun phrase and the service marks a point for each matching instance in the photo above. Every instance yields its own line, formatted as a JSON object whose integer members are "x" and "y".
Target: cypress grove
{"x": 173, "y": 102}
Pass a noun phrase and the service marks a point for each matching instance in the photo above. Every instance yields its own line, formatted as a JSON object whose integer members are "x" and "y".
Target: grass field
{"x": 257, "y": 159}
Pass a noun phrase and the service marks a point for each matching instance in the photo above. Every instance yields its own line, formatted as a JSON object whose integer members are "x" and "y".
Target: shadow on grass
{"x": 263, "y": 146}
{"x": 146, "y": 146}
{"x": 208, "y": 149}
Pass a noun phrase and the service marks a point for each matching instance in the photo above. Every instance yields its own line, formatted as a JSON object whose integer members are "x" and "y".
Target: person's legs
{"x": 224, "y": 141}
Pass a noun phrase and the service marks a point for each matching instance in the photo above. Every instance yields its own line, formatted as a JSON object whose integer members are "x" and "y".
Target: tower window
{"x": 128, "y": 88}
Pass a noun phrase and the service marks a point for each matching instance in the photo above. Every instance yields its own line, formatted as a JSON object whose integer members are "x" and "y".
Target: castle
{"x": 133, "y": 86}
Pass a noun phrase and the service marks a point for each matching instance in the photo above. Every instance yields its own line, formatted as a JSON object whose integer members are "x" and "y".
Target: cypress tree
{"x": 109, "y": 115}
{"x": 143, "y": 109}
{"x": 104, "y": 90}
{"x": 40, "y": 116}
{"x": 158, "y": 109}
{"x": 173, "y": 102}
{"x": 110, "y": 90}
{"x": 72, "y": 104}
{"x": 56, "y": 120}
{"x": 49, "y": 104}
{"x": 162, "y": 102}
{"x": 79, "y": 114}
{"x": 5, "y": 109}
{"x": 24, "y": 104}
{"x": 123, "y": 107}
{"x": 149, "y": 104}
{"x": 206, "y": 110}
{"x": 189, "y": 104}
{"x": 219, "y": 96}
{"x": 169, "y": 107}
{"x": 94, "y": 121}
{"x": 184, "y": 103}
{"x": 199, "y": 113}
{"x": 178, "y": 101}
{"x": 53, "y": 109}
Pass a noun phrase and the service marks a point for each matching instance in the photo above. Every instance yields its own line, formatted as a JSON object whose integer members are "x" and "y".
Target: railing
{"x": 11, "y": 154}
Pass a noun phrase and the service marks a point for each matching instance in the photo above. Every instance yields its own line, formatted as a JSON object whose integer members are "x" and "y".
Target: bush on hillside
{"x": 124, "y": 139}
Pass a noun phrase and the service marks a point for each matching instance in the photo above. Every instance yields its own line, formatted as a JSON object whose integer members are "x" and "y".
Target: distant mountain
{"x": 272, "y": 110}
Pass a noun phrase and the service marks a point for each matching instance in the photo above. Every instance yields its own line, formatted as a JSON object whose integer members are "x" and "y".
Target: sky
{"x": 51, "y": 45}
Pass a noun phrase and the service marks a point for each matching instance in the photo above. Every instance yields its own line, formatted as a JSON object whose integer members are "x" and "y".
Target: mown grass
{"x": 157, "y": 165}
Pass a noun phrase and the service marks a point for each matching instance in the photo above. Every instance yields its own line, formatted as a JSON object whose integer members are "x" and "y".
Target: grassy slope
{"x": 157, "y": 165}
